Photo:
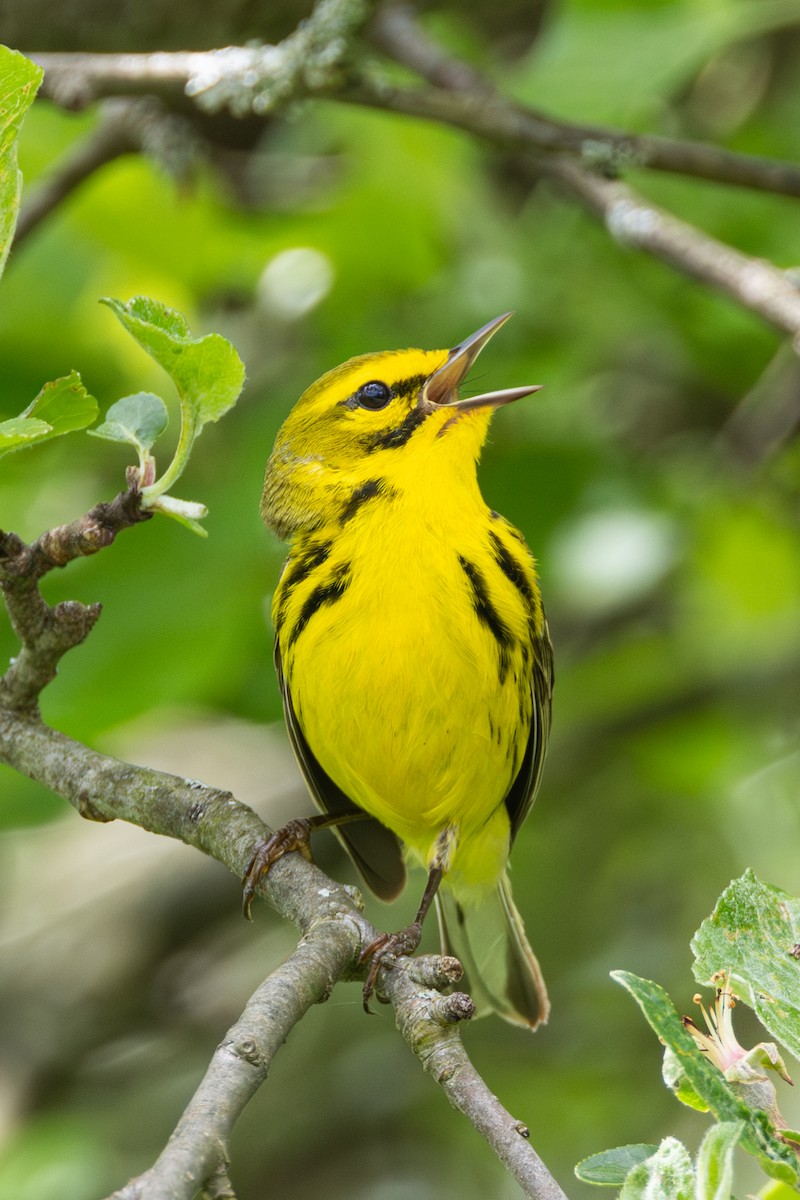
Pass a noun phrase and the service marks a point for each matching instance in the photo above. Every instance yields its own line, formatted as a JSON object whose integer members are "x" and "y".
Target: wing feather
{"x": 523, "y": 790}
{"x": 373, "y": 848}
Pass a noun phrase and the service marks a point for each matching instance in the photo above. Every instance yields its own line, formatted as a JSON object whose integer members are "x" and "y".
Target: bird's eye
{"x": 373, "y": 395}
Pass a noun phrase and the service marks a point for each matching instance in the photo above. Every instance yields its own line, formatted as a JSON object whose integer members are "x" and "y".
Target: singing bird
{"x": 413, "y": 653}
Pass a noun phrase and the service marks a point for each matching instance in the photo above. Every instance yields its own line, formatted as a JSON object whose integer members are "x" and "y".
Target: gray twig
{"x": 127, "y": 127}
{"x": 241, "y": 79}
{"x": 47, "y": 633}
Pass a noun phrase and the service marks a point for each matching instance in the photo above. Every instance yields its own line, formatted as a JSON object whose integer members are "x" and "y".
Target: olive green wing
{"x": 373, "y": 848}
{"x": 523, "y": 790}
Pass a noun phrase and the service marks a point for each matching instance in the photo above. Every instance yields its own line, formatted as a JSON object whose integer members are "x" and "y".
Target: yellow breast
{"x": 405, "y": 641}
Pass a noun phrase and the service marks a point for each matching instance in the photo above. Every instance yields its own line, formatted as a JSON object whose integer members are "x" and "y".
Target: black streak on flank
{"x": 299, "y": 569}
{"x": 326, "y": 593}
{"x": 513, "y": 571}
{"x": 362, "y": 495}
{"x": 487, "y": 614}
{"x": 395, "y": 436}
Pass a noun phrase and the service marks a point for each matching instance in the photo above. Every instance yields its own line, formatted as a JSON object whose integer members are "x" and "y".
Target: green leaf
{"x": 675, "y": 1078}
{"x": 19, "y": 83}
{"x": 752, "y": 934}
{"x": 138, "y": 420}
{"x": 666, "y": 1175}
{"x": 707, "y": 1081}
{"x": 207, "y": 372}
{"x": 777, "y": 1191}
{"x": 610, "y": 1168}
{"x": 21, "y": 431}
{"x": 61, "y": 407}
{"x": 715, "y": 1160}
{"x": 64, "y": 404}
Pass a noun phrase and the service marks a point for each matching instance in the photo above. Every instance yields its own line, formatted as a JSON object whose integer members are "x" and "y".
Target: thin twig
{"x": 633, "y": 221}
{"x": 111, "y": 139}
{"x": 430, "y": 1022}
{"x": 200, "y": 1144}
{"x": 46, "y": 633}
{"x": 396, "y": 30}
{"x": 127, "y": 126}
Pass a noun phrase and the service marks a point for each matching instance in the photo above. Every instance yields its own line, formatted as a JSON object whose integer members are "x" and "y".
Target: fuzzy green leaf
{"x": 715, "y": 1160}
{"x": 610, "y": 1168}
{"x": 19, "y": 83}
{"x": 754, "y": 934}
{"x": 666, "y": 1175}
{"x": 137, "y": 420}
{"x": 207, "y": 372}
{"x": 21, "y": 431}
{"x": 707, "y": 1081}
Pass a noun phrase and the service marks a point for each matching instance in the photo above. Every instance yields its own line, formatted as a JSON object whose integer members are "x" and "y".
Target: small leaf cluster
{"x": 207, "y": 372}
{"x": 750, "y": 943}
{"x": 208, "y": 376}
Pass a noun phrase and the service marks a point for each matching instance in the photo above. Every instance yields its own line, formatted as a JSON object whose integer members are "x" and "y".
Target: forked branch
{"x": 328, "y": 915}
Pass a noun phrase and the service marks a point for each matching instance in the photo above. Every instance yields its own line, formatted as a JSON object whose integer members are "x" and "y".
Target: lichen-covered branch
{"x": 313, "y": 60}
{"x": 241, "y": 79}
{"x": 580, "y": 157}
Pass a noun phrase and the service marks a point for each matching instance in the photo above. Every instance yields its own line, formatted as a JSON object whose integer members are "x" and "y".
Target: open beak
{"x": 441, "y": 390}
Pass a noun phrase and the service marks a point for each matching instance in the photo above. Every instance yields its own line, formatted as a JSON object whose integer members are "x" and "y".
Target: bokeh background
{"x": 651, "y": 477}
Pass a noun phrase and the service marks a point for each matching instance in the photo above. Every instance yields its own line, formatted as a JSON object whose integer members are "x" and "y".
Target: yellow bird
{"x": 412, "y": 652}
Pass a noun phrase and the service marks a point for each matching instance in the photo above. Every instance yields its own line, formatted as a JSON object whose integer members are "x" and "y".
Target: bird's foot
{"x": 387, "y": 946}
{"x": 295, "y": 835}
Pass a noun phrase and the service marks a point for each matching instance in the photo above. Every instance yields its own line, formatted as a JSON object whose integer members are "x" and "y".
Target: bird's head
{"x": 392, "y": 415}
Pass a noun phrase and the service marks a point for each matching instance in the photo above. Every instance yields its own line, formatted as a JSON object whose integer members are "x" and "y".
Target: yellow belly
{"x": 398, "y": 688}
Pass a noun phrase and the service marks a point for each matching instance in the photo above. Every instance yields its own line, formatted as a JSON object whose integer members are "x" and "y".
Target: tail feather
{"x": 502, "y": 972}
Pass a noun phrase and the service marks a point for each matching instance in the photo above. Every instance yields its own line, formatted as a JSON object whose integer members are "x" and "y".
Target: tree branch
{"x": 633, "y": 221}
{"x": 311, "y": 61}
{"x": 429, "y": 1022}
{"x": 242, "y": 79}
{"x": 201, "y": 1141}
{"x": 47, "y": 633}
{"x": 334, "y": 932}
{"x": 568, "y": 154}
{"x": 329, "y": 916}
{"x": 127, "y": 127}
{"x": 397, "y": 32}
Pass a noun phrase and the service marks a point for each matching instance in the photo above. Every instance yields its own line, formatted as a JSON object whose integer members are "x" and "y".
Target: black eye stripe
{"x": 373, "y": 395}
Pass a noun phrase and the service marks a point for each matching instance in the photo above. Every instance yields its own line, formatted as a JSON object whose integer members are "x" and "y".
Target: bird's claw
{"x": 387, "y": 946}
{"x": 294, "y": 835}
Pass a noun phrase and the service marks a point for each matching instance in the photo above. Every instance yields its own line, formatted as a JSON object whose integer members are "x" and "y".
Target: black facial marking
{"x": 410, "y": 386}
{"x": 362, "y": 495}
{"x": 487, "y": 614}
{"x": 326, "y": 593}
{"x": 395, "y": 436}
{"x": 368, "y": 395}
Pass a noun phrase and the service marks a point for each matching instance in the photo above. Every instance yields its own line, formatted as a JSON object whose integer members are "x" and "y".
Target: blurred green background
{"x": 664, "y": 514}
